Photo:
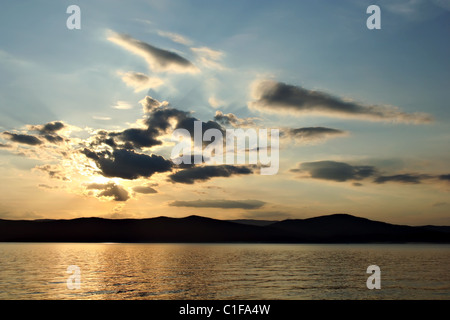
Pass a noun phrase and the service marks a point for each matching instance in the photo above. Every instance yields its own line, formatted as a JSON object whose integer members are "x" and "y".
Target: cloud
{"x": 340, "y": 171}
{"x": 109, "y": 190}
{"x": 20, "y": 216}
{"x": 138, "y": 138}
{"x": 312, "y": 134}
{"x": 192, "y": 175}
{"x": 439, "y": 204}
{"x": 278, "y": 97}
{"x": 144, "y": 189}
{"x": 222, "y": 204}
{"x": 49, "y": 131}
{"x": 46, "y": 186}
{"x": 160, "y": 119}
{"x": 140, "y": 81}
{"x": 22, "y": 138}
{"x": 188, "y": 123}
{"x": 122, "y": 105}
{"x": 175, "y": 37}
{"x": 149, "y": 104}
{"x": 53, "y": 171}
{"x": 209, "y": 53}
{"x": 416, "y": 10}
{"x": 335, "y": 171}
{"x": 229, "y": 119}
{"x": 49, "y": 128}
{"x": 102, "y": 118}
{"x": 127, "y": 164}
{"x": 214, "y": 102}
{"x": 403, "y": 178}
{"x": 53, "y": 138}
{"x": 209, "y": 58}
{"x": 156, "y": 58}
{"x": 2, "y": 145}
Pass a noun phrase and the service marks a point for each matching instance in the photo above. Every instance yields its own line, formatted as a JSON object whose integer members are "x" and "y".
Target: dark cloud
{"x": 403, "y": 178}
{"x": 48, "y": 131}
{"x": 103, "y": 137}
{"x": 340, "y": 171}
{"x": 223, "y": 204}
{"x": 22, "y": 138}
{"x": 139, "y": 138}
{"x": 160, "y": 119}
{"x": 280, "y": 97}
{"x": 144, "y": 189}
{"x": 51, "y": 127}
{"x": 195, "y": 156}
{"x": 2, "y": 145}
{"x": 110, "y": 189}
{"x": 128, "y": 164}
{"x": 48, "y": 128}
{"x": 53, "y": 138}
{"x": 308, "y": 134}
{"x": 204, "y": 173}
{"x": 157, "y": 59}
{"x": 335, "y": 171}
{"x": 188, "y": 124}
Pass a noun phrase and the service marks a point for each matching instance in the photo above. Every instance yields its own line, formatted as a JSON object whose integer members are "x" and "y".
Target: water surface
{"x": 223, "y": 271}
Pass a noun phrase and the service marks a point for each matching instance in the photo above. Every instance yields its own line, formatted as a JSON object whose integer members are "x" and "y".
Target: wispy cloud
{"x": 122, "y": 105}
{"x": 140, "y": 81}
{"x": 54, "y": 171}
{"x": 102, "y": 118}
{"x": 215, "y": 102}
{"x": 209, "y": 58}
{"x": 156, "y": 58}
{"x": 229, "y": 119}
{"x": 175, "y": 37}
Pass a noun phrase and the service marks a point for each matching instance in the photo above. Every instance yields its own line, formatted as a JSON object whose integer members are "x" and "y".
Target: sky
{"x": 87, "y": 115}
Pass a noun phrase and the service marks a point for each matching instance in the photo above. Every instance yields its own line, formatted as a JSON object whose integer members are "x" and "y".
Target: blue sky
{"x": 49, "y": 73}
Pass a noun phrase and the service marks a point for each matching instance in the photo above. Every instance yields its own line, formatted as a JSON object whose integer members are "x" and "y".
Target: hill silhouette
{"x": 336, "y": 228}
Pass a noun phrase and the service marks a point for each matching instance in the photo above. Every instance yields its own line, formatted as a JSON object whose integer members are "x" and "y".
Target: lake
{"x": 223, "y": 271}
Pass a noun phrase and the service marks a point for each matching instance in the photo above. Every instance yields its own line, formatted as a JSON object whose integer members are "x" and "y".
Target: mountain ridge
{"x": 334, "y": 228}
